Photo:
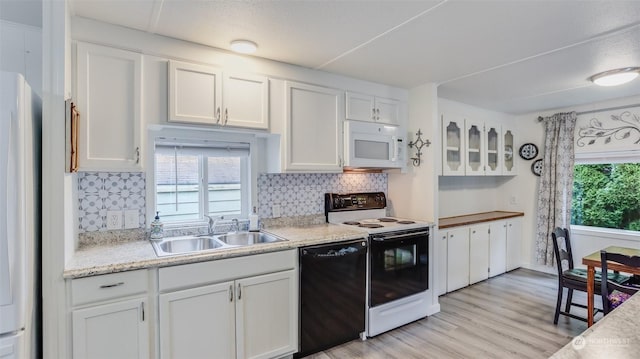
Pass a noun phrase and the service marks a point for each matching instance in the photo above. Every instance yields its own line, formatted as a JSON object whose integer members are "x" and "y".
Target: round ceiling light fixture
{"x": 244, "y": 46}
{"x": 615, "y": 77}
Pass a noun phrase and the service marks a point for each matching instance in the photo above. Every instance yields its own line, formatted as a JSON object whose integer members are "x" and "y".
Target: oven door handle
{"x": 400, "y": 236}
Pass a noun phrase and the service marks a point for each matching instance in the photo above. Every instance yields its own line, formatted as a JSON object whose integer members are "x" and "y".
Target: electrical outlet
{"x": 131, "y": 219}
{"x": 114, "y": 219}
{"x": 275, "y": 211}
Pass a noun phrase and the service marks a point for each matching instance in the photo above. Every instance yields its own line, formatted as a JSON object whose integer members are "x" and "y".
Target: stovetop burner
{"x": 406, "y": 222}
{"x": 387, "y": 219}
{"x": 370, "y": 225}
{"x": 351, "y": 223}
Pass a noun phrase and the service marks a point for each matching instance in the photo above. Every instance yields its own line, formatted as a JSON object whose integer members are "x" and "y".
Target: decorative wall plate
{"x": 528, "y": 151}
{"x": 536, "y": 167}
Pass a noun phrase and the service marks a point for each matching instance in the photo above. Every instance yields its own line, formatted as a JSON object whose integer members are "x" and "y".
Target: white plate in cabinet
{"x": 362, "y": 107}
{"x": 109, "y": 102}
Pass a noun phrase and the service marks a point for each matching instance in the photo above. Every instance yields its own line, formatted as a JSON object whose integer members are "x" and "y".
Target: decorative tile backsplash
{"x": 297, "y": 194}
{"x": 302, "y": 194}
{"x": 99, "y": 192}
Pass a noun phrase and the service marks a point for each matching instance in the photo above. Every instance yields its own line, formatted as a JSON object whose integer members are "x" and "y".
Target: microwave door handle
{"x": 394, "y": 148}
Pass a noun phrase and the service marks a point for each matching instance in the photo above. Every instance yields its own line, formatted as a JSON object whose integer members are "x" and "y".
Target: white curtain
{"x": 556, "y": 182}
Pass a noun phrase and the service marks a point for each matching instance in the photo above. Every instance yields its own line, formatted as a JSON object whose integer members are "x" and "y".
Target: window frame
{"x": 592, "y": 158}
{"x": 162, "y": 133}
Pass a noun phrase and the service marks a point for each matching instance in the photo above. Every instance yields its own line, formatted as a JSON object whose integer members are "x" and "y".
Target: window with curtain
{"x": 607, "y": 195}
{"x": 194, "y": 179}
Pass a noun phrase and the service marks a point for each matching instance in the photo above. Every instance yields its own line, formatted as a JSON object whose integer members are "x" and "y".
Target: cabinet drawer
{"x": 108, "y": 286}
{"x": 216, "y": 271}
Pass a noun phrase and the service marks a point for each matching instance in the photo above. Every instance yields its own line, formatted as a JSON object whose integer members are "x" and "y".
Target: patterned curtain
{"x": 556, "y": 182}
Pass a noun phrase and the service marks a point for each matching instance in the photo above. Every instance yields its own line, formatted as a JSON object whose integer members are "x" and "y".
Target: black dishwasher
{"x": 332, "y": 295}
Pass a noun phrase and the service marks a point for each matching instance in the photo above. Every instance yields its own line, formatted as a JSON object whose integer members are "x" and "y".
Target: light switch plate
{"x": 131, "y": 219}
{"x": 275, "y": 211}
{"x": 114, "y": 219}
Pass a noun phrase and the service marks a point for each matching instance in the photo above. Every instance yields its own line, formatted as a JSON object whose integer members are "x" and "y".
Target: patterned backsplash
{"x": 99, "y": 192}
{"x": 302, "y": 194}
{"x": 299, "y": 194}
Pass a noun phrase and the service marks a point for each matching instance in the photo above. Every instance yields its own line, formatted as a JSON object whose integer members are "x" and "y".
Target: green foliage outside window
{"x": 607, "y": 195}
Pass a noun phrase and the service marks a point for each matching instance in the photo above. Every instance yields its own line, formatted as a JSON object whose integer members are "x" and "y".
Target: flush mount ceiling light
{"x": 615, "y": 77}
{"x": 244, "y": 46}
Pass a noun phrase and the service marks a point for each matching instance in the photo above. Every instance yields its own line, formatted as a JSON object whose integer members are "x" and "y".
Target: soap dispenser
{"x": 157, "y": 232}
{"x": 253, "y": 221}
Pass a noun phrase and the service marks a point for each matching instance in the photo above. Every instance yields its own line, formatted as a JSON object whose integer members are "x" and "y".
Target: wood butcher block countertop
{"x": 448, "y": 222}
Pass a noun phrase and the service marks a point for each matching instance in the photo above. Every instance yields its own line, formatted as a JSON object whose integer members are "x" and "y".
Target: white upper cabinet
{"x": 453, "y": 148}
{"x": 476, "y": 148}
{"x": 363, "y": 107}
{"x": 313, "y": 128}
{"x": 509, "y": 166}
{"x": 109, "y": 102}
{"x": 205, "y": 95}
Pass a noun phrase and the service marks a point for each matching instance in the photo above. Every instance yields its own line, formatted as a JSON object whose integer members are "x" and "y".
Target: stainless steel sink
{"x": 248, "y": 238}
{"x": 190, "y": 244}
{"x": 187, "y": 244}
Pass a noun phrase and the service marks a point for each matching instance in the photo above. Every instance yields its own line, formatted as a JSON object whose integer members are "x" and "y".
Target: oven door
{"x": 399, "y": 265}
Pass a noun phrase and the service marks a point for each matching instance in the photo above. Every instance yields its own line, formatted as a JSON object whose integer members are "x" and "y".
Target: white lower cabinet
{"x": 478, "y": 253}
{"x": 110, "y": 316}
{"x": 498, "y": 248}
{"x": 115, "y": 330}
{"x": 243, "y": 315}
{"x": 457, "y": 258}
{"x": 514, "y": 246}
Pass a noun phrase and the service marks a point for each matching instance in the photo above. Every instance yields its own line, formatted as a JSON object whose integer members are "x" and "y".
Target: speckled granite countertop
{"x": 615, "y": 336}
{"x": 114, "y": 257}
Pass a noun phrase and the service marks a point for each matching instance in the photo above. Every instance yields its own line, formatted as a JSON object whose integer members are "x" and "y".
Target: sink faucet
{"x": 235, "y": 226}
{"x": 212, "y": 224}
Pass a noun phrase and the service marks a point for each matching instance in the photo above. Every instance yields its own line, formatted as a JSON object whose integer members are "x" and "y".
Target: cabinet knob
{"x": 137, "y": 155}
{"x": 226, "y": 116}
{"x": 218, "y": 115}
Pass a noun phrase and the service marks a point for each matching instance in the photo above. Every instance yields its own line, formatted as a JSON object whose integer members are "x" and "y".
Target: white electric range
{"x": 398, "y": 258}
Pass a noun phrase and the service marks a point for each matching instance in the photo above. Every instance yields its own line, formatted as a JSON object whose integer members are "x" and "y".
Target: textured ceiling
{"x": 510, "y": 56}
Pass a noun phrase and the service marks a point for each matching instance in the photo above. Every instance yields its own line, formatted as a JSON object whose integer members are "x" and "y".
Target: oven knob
{"x": 336, "y": 202}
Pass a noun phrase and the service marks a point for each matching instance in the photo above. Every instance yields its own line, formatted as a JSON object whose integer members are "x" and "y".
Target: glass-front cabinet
{"x": 453, "y": 163}
{"x": 476, "y": 148}
{"x": 509, "y": 162}
{"x": 492, "y": 153}
{"x": 475, "y": 145}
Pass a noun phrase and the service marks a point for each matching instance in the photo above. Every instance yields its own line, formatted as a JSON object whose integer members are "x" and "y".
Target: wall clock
{"x": 536, "y": 167}
{"x": 528, "y": 151}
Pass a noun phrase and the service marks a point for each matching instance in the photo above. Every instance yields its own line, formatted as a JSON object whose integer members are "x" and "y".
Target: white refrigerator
{"x": 19, "y": 218}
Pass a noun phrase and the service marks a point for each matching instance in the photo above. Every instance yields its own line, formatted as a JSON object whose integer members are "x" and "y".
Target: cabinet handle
{"x": 105, "y": 286}
{"x": 231, "y": 292}
{"x": 218, "y": 115}
{"x": 377, "y": 114}
{"x": 509, "y": 224}
{"x": 373, "y": 114}
{"x": 474, "y": 231}
{"x": 226, "y": 116}
{"x": 137, "y": 155}
{"x": 239, "y": 292}
{"x": 142, "y": 310}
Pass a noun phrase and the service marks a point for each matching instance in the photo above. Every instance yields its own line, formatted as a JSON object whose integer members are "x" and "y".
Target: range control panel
{"x": 334, "y": 202}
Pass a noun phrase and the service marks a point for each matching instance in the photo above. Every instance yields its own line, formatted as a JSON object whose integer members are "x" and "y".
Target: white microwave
{"x": 373, "y": 145}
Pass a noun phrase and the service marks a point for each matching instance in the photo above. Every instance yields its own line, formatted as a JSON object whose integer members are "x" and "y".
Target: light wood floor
{"x": 508, "y": 316}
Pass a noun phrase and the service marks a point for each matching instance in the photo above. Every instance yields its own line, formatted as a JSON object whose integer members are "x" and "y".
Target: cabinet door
{"x": 457, "y": 259}
{"x": 442, "y": 262}
{"x": 194, "y": 93}
{"x": 267, "y": 315}
{"x": 508, "y": 153}
{"x": 514, "y": 243}
{"x": 109, "y": 102}
{"x": 453, "y": 148}
{"x": 198, "y": 323}
{"x": 246, "y": 101}
{"x": 493, "y": 149}
{"x": 360, "y": 107}
{"x": 474, "y": 146}
{"x": 479, "y": 253}
{"x": 313, "y": 130}
{"x": 116, "y": 330}
{"x": 387, "y": 110}
{"x": 497, "y": 248}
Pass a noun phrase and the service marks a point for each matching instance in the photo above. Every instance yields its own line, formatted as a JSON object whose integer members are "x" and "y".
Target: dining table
{"x": 593, "y": 261}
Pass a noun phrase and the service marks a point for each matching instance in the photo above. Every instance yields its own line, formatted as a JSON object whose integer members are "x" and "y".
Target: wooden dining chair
{"x": 613, "y": 293}
{"x": 572, "y": 278}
